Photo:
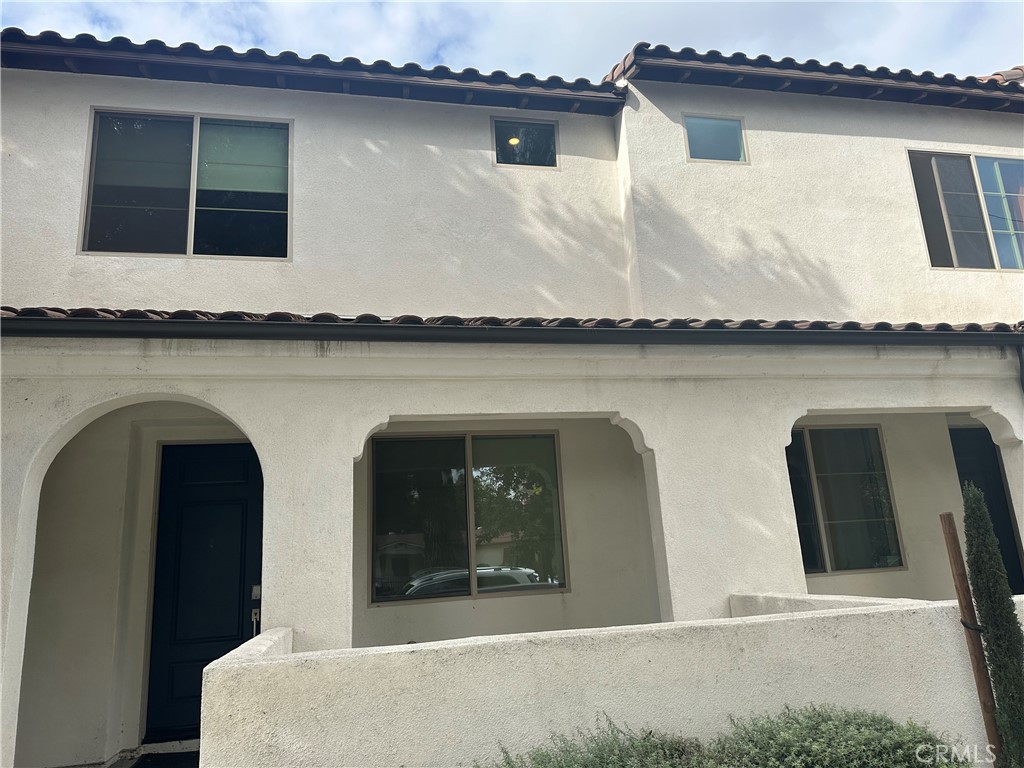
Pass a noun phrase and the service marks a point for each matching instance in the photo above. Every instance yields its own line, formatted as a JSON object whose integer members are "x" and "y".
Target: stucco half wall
{"x": 449, "y": 703}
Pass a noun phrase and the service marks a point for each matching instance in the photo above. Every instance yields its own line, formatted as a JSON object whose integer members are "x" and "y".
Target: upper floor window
{"x": 525, "y": 143}
{"x": 842, "y": 499}
{"x": 465, "y": 515}
{"x": 714, "y": 138}
{"x": 963, "y": 226}
{"x": 167, "y": 184}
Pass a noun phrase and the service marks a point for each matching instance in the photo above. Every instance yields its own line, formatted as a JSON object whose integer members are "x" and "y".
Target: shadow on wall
{"x": 824, "y": 115}
{"x": 749, "y": 273}
{"x": 440, "y": 222}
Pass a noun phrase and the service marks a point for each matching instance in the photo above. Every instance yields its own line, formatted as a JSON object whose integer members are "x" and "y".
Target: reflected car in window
{"x": 490, "y": 579}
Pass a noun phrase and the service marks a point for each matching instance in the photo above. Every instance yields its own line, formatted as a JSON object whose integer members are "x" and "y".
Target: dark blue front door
{"x": 207, "y": 575}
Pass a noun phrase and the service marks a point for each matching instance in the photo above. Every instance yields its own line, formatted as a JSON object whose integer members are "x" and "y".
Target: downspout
{"x": 1020, "y": 365}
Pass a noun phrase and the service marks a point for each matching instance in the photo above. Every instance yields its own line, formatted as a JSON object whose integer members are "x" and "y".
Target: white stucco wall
{"x": 767, "y": 604}
{"x": 608, "y": 543}
{"x": 88, "y": 633}
{"x": 685, "y": 678}
{"x": 398, "y": 208}
{"x": 823, "y": 220}
{"x": 720, "y": 506}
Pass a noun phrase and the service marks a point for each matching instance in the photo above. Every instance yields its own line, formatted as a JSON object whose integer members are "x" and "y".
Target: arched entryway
{"x": 146, "y": 567}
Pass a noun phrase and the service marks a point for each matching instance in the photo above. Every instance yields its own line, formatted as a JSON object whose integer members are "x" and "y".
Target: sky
{"x": 571, "y": 39}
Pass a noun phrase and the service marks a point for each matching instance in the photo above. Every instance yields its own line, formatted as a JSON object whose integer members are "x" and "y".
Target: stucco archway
{"x": 87, "y": 624}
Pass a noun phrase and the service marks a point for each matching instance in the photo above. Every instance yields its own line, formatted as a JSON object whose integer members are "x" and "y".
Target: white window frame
{"x": 743, "y": 139}
{"x": 195, "y": 117}
{"x": 973, "y": 156}
{"x": 825, "y": 541}
{"x": 467, "y": 436}
{"x": 523, "y": 166}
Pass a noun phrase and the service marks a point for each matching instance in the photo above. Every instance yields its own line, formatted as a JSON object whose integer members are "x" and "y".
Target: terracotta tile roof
{"x": 154, "y": 59}
{"x": 660, "y": 63}
{"x": 1012, "y": 75}
{"x": 89, "y": 321}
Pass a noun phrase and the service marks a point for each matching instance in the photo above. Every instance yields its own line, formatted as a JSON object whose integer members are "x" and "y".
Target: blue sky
{"x": 572, "y": 39}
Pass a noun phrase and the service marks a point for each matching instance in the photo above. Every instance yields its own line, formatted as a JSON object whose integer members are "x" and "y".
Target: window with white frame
{"x": 964, "y": 225}
{"x": 187, "y": 185}
{"x": 844, "y": 510}
{"x": 714, "y": 138}
{"x": 465, "y": 515}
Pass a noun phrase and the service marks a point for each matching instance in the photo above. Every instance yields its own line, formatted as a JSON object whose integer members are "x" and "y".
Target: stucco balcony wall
{"x": 460, "y": 699}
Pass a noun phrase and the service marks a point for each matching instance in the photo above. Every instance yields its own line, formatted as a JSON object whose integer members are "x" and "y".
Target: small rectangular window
{"x": 714, "y": 138}
{"x": 841, "y": 492}
{"x": 142, "y": 186}
{"x": 525, "y": 143}
{"x": 424, "y": 513}
{"x": 963, "y": 226}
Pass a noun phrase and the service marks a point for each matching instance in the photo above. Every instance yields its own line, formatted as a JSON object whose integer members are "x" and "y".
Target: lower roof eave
{"x": 103, "y": 328}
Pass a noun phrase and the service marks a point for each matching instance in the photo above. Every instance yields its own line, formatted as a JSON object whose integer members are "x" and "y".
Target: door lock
{"x": 255, "y": 621}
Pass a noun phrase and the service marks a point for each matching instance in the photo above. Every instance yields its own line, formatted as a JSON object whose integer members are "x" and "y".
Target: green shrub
{"x": 1002, "y": 636}
{"x": 829, "y": 737}
{"x": 607, "y": 746}
{"x": 811, "y": 737}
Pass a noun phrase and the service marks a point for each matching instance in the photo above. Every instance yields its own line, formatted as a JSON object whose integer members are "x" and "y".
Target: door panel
{"x": 977, "y": 459}
{"x": 208, "y": 551}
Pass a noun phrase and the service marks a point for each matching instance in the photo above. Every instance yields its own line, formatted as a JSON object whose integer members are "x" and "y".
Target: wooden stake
{"x": 972, "y": 631}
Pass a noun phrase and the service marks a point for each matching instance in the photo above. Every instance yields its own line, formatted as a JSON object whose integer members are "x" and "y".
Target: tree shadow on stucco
{"x": 441, "y": 229}
{"x": 747, "y": 273}
{"x": 449, "y": 232}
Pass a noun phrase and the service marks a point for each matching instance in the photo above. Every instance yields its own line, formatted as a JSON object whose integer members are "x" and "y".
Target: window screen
{"x": 141, "y": 169}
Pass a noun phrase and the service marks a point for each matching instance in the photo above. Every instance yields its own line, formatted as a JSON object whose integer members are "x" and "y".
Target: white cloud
{"x": 569, "y": 39}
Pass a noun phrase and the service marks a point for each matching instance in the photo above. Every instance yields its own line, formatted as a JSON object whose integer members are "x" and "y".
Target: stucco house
{"x": 357, "y": 366}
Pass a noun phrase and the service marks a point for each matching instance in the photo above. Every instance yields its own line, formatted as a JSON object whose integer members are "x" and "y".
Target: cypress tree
{"x": 1002, "y": 635}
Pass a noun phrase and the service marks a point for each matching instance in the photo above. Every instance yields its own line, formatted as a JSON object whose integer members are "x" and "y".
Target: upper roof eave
{"x": 154, "y": 59}
{"x": 661, "y": 63}
{"x": 89, "y": 322}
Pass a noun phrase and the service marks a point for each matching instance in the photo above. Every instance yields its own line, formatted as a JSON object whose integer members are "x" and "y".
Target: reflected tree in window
{"x": 515, "y": 499}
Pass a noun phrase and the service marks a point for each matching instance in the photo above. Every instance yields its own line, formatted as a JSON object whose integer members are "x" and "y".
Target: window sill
{"x": 471, "y": 598}
{"x": 186, "y": 257}
{"x": 858, "y": 571}
{"x": 986, "y": 270}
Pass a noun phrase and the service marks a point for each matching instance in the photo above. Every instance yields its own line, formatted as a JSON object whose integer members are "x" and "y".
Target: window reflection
{"x": 525, "y": 143}
{"x": 714, "y": 138}
{"x": 420, "y": 544}
{"x": 515, "y": 503}
{"x": 140, "y": 184}
{"x": 422, "y": 517}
